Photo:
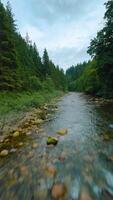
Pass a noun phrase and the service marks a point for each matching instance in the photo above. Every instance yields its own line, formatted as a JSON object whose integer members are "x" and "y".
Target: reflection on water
{"x": 80, "y": 167}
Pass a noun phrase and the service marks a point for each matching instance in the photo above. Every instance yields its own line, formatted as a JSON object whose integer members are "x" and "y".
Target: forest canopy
{"x": 21, "y": 67}
{"x": 96, "y": 76}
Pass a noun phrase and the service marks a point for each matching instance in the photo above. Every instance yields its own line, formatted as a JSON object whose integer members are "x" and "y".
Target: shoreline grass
{"x": 13, "y": 106}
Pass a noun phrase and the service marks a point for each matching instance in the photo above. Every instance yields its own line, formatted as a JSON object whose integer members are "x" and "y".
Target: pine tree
{"x": 8, "y": 62}
{"x": 101, "y": 49}
{"x": 46, "y": 64}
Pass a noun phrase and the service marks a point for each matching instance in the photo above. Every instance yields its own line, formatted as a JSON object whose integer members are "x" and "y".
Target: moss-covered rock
{"x": 16, "y": 134}
{"x": 52, "y": 140}
{"x": 62, "y": 131}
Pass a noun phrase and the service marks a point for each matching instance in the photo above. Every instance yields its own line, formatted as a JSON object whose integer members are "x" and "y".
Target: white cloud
{"x": 64, "y": 27}
{"x": 34, "y": 33}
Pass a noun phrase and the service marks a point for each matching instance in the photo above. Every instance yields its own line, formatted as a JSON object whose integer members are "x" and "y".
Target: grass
{"x": 12, "y": 105}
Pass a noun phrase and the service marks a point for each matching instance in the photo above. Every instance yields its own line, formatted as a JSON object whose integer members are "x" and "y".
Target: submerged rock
{"x": 62, "y": 131}
{"x": 59, "y": 191}
{"x": 34, "y": 145}
{"x": 50, "y": 170}
{"x": 52, "y": 141}
{"x": 85, "y": 196}
{"x": 4, "y": 152}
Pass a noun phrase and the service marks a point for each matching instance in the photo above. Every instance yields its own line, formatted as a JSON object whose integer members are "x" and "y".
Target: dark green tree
{"x": 8, "y": 59}
{"x": 101, "y": 48}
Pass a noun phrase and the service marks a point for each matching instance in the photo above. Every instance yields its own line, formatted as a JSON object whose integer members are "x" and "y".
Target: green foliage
{"x": 74, "y": 73}
{"x": 96, "y": 76}
{"x": 21, "y": 67}
{"x": 89, "y": 80}
{"x": 101, "y": 48}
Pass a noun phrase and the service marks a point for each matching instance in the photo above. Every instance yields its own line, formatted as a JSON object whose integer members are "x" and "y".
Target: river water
{"x": 83, "y": 159}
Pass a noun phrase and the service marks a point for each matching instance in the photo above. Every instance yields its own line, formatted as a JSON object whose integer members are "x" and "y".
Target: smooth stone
{"x": 13, "y": 150}
{"x": 29, "y": 133}
{"x": 24, "y": 170}
{"x": 59, "y": 191}
{"x": 34, "y": 145}
{"x": 16, "y": 134}
{"x": 62, "y": 131}
{"x": 52, "y": 140}
{"x": 37, "y": 122}
{"x": 21, "y": 144}
{"x": 4, "y": 152}
{"x": 85, "y": 196}
{"x": 50, "y": 170}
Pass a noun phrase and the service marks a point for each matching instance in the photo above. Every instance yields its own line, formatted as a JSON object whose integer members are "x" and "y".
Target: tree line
{"x": 96, "y": 76}
{"x": 21, "y": 67}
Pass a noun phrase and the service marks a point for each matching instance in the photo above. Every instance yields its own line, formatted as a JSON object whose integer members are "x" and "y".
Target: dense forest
{"x": 21, "y": 67}
{"x": 96, "y": 76}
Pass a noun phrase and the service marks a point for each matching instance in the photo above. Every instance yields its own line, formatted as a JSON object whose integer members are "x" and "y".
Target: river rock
{"x": 52, "y": 141}
{"x": 24, "y": 170}
{"x": 13, "y": 150}
{"x": 62, "y": 131}
{"x": 37, "y": 122}
{"x": 59, "y": 191}
{"x": 20, "y": 144}
{"x": 16, "y": 134}
{"x": 29, "y": 133}
{"x": 34, "y": 145}
{"x": 50, "y": 170}
{"x": 4, "y": 152}
{"x": 85, "y": 196}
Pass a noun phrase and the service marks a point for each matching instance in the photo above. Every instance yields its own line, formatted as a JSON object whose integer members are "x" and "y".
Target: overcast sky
{"x": 64, "y": 27}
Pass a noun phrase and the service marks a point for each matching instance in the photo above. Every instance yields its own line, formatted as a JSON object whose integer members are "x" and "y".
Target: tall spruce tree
{"x": 8, "y": 61}
{"x": 46, "y": 64}
{"x": 101, "y": 49}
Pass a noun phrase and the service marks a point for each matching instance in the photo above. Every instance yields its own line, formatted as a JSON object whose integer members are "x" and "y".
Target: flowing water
{"x": 83, "y": 160}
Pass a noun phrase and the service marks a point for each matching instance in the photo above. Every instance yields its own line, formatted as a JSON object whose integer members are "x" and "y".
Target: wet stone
{"x": 13, "y": 150}
{"x": 34, "y": 145}
{"x": 52, "y": 141}
{"x": 62, "y": 131}
{"x": 50, "y": 170}
{"x": 59, "y": 191}
{"x": 4, "y": 153}
{"x": 16, "y": 134}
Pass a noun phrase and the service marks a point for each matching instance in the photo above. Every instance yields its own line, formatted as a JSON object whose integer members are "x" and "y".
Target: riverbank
{"x": 16, "y": 107}
{"x": 25, "y": 114}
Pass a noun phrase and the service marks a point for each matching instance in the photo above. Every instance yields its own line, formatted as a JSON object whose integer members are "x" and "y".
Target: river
{"x": 82, "y": 160}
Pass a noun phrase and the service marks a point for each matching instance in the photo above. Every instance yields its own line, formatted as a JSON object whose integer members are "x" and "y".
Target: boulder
{"x": 52, "y": 141}
{"x": 62, "y": 131}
